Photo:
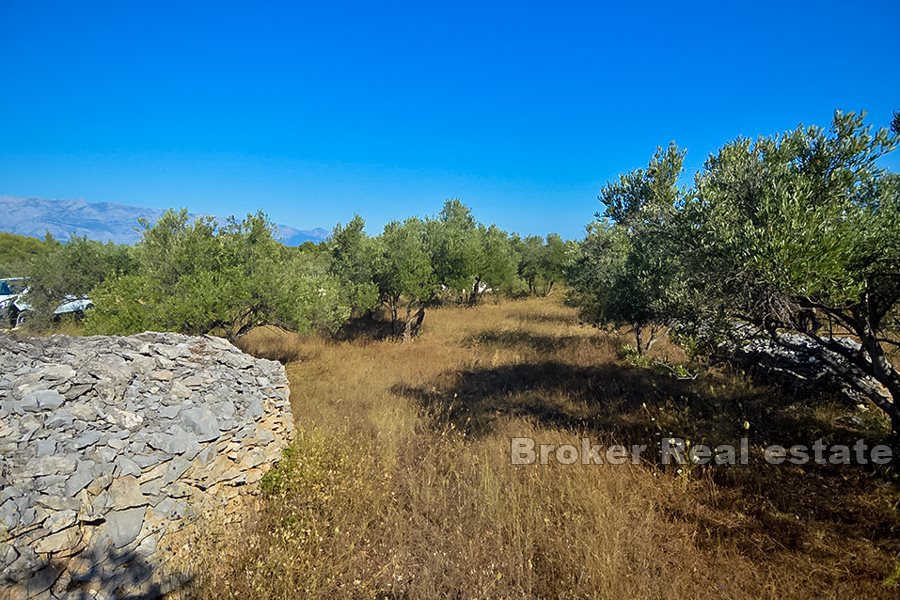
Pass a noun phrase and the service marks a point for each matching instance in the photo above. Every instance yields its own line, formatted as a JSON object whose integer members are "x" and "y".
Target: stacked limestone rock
{"x": 110, "y": 444}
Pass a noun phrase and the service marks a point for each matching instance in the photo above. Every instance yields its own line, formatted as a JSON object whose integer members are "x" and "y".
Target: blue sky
{"x": 314, "y": 112}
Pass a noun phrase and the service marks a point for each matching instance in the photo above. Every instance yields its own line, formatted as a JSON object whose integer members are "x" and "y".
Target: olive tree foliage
{"x": 800, "y": 233}
{"x": 71, "y": 270}
{"x": 17, "y": 252}
{"x": 353, "y": 255}
{"x": 554, "y": 260}
{"x": 417, "y": 262}
{"x": 469, "y": 258}
{"x": 199, "y": 277}
{"x": 541, "y": 261}
{"x": 791, "y": 239}
{"x": 530, "y": 253}
{"x": 495, "y": 263}
{"x": 453, "y": 243}
{"x": 624, "y": 272}
{"x": 404, "y": 274}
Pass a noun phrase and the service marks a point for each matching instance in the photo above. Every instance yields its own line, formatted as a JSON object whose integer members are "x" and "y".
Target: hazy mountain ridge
{"x": 103, "y": 221}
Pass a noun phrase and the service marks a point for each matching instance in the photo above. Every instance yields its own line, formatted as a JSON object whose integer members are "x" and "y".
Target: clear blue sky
{"x": 313, "y": 112}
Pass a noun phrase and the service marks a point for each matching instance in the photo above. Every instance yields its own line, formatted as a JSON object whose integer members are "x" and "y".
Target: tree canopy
{"x": 796, "y": 233}
{"x": 197, "y": 277}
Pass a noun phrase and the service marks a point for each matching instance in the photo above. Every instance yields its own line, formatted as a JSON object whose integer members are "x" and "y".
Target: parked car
{"x": 15, "y": 310}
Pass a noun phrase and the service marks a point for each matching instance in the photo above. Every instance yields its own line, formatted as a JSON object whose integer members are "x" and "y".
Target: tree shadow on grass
{"x": 370, "y": 327}
{"x": 516, "y": 338}
{"x": 552, "y": 318}
{"x": 609, "y": 399}
{"x": 632, "y": 404}
{"x": 757, "y": 510}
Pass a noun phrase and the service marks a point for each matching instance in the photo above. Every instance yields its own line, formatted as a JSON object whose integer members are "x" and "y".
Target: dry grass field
{"x": 400, "y": 484}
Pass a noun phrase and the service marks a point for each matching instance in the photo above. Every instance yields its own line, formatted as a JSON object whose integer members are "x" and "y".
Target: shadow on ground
{"x": 783, "y": 508}
{"x": 366, "y": 328}
{"x": 516, "y": 338}
{"x": 628, "y": 403}
{"x": 102, "y": 573}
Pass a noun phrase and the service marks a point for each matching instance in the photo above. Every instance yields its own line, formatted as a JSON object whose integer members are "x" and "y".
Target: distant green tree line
{"x": 199, "y": 276}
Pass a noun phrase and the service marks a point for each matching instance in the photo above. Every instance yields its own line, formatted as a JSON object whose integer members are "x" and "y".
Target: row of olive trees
{"x": 414, "y": 263}
{"x": 792, "y": 239}
{"x": 199, "y": 276}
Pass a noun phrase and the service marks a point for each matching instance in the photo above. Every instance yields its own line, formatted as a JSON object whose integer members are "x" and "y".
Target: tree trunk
{"x": 883, "y": 372}
{"x": 857, "y": 368}
{"x": 392, "y": 305}
{"x": 473, "y": 299}
{"x": 417, "y": 325}
{"x": 407, "y": 326}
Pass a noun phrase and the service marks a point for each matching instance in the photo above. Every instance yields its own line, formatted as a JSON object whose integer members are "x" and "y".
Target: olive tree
{"x": 69, "y": 270}
{"x": 404, "y": 274}
{"x": 198, "y": 277}
{"x": 352, "y": 254}
{"x": 800, "y": 234}
{"x": 495, "y": 262}
{"x": 541, "y": 261}
{"x": 451, "y": 239}
{"x": 624, "y": 272}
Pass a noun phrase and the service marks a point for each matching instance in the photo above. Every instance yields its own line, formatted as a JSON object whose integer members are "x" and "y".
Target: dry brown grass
{"x": 399, "y": 484}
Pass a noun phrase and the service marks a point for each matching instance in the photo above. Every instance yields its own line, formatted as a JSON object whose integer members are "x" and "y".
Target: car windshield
{"x": 9, "y": 287}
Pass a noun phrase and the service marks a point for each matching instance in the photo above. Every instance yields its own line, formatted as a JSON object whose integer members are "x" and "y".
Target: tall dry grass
{"x": 399, "y": 484}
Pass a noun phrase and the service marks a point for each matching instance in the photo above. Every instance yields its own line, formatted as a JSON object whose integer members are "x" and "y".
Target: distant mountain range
{"x": 102, "y": 221}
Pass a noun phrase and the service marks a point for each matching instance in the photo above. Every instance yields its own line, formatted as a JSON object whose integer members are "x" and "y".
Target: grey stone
{"x": 177, "y": 467}
{"x": 80, "y": 479}
{"x": 88, "y": 438}
{"x": 56, "y": 372}
{"x": 207, "y": 455}
{"x": 59, "y": 520}
{"x": 126, "y": 466}
{"x": 152, "y": 487}
{"x": 30, "y": 403}
{"x": 125, "y": 492}
{"x": 162, "y": 375}
{"x": 123, "y": 526}
{"x": 77, "y": 391}
{"x": 42, "y": 581}
{"x": 45, "y": 447}
{"x": 50, "y": 400}
{"x": 98, "y": 506}
{"x": 91, "y": 436}
{"x": 59, "y": 419}
{"x": 8, "y": 554}
{"x": 174, "y": 442}
{"x": 181, "y": 391}
{"x": 53, "y": 465}
{"x": 57, "y": 502}
{"x": 124, "y": 418}
{"x": 117, "y": 443}
{"x": 255, "y": 408}
{"x": 65, "y": 539}
{"x": 170, "y": 412}
{"x": 85, "y": 412}
{"x": 202, "y": 422}
{"x": 9, "y": 515}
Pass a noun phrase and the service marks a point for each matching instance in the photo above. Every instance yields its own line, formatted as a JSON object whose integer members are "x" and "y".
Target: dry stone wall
{"x": 109, "y": 445}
